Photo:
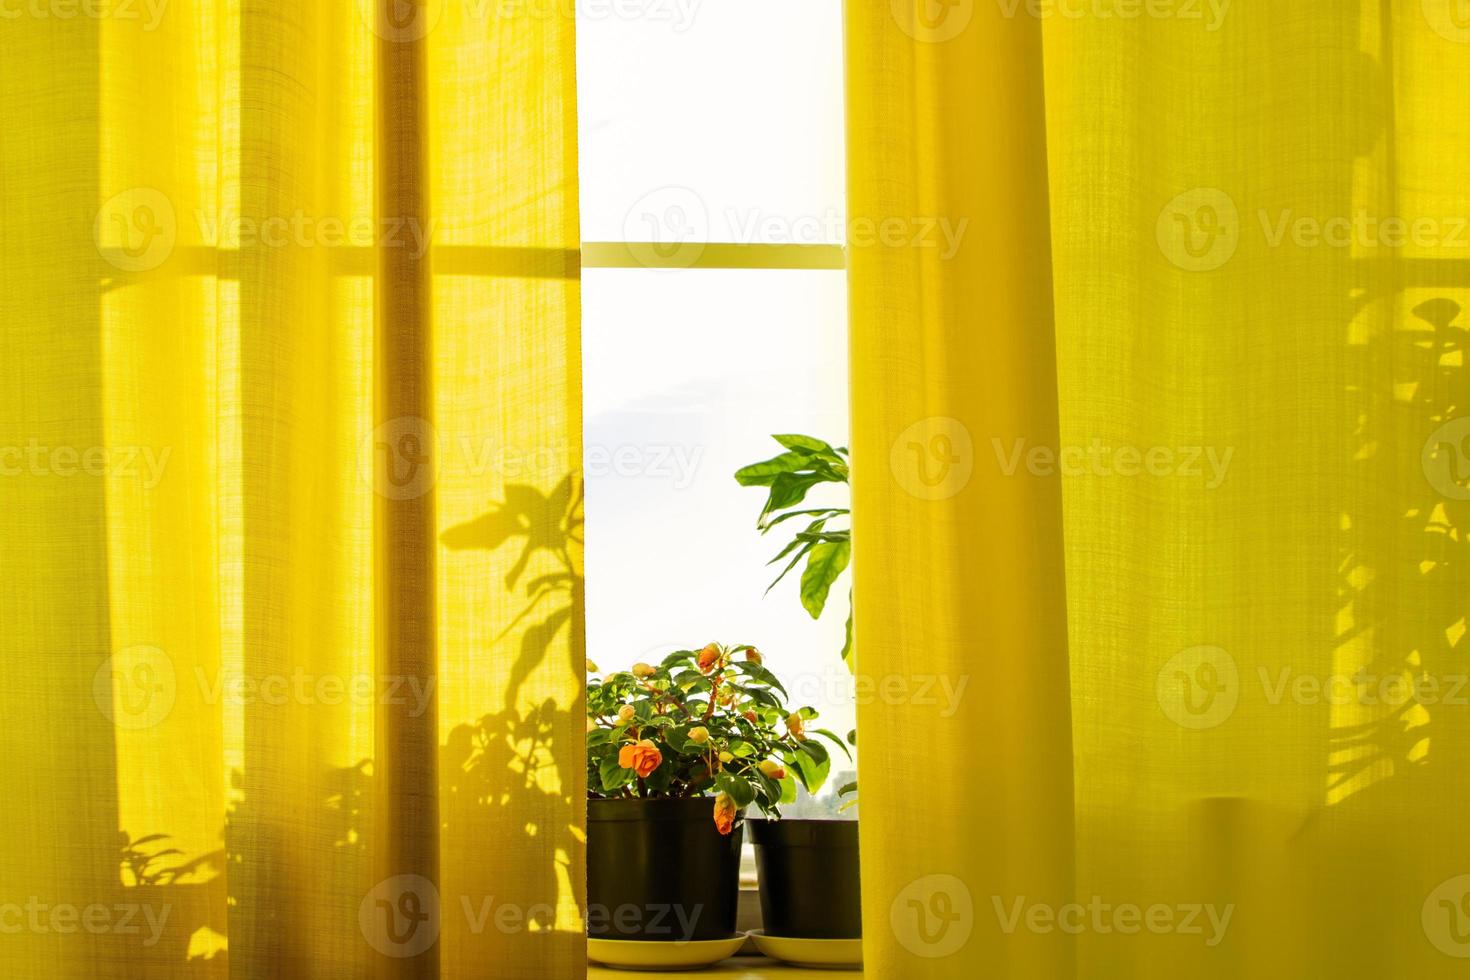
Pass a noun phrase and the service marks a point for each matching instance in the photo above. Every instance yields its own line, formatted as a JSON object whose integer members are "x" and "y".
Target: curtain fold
{"x": 1257, "y": 221}
{"x": 959, "y": 582}
{"x": 291, "y": 492}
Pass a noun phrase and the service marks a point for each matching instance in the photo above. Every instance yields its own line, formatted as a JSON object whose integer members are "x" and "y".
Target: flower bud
{"x": 699, "y": 734}
{"x": 725, "y": 813}
{"x": 709, "y": 658}
{"x": 642, "y": 670}
{"x": 626, "y": 713}
{"x": 796, "y": 726}
{"x": 727, "y": 757}
{"x": 772, "y": 769}
{"x": 754, "y": 656}
{"x": 592, "y": 668}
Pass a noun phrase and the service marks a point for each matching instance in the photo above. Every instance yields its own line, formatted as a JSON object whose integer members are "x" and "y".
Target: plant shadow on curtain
{"x": 1262, "y": 291}
{"x": 194, "y": 450}
{"x": 1302, "y": 615}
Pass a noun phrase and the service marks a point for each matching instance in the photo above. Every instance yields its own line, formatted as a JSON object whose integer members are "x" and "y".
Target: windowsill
{"x": 745, "y": 965}
{"x": 735, "y": 968}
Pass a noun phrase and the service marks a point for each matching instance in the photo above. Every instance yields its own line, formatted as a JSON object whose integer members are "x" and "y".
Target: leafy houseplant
{"x": 675, "y": 754}
{"x": 806, "y": 463}
{"x": 791, "y": 854}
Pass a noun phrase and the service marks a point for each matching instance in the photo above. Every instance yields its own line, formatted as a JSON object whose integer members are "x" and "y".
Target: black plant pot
{"x": 660, "y": 870}
{"x": 808, "y": 878}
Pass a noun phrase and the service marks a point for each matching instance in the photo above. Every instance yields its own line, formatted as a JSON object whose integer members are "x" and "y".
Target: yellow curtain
{"x": 1178, "y": 493}
{"x": 291, "y": 510}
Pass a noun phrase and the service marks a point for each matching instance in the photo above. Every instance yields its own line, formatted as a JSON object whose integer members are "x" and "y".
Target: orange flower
{"x": 709, "y": 658}
{"x": 725, "y": 811}
{"x": 641, "y": 757}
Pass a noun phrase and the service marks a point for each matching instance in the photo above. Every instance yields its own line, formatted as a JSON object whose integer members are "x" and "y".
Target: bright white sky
{"x": 738, "y": 100}
{"x": 688, "y": 372}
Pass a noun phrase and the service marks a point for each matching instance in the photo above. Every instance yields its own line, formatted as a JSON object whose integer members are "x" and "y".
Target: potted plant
{"x": 675, "y": 754}
{"x": 795, "y": 851}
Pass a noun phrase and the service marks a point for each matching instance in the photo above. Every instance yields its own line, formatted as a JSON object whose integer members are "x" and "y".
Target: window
{"x": 713, "y": 316}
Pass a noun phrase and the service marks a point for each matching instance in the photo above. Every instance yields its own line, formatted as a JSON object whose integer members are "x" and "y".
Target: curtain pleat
{"x": 961, "y": 620}
{"x": 404, "y": 522}
{"x": 291, "y": 499}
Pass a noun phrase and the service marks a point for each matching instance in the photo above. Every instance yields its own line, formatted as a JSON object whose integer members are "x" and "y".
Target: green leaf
{"x": 736, "y": 787}
{"x": 759, "y": 673}
{"x": 816, "y": 750}
{"x": 761, "y": 696}
{"x": 678, "y": 656}
{"x": 797, "y": 541}
{"x": 827, "y": 513}
{"x": 827, "y": 561}
{"x": 678, "y": 738}
{"x": 846, "y": 788}
{"x": 811, "y": 772}
{"x": 832, "y": 737}
{"x": 658, "y": 781}
{"x": 764, "y": 472}
{"x": 816, "y": 537}
{"x": 771, "y": 789}
{"x": 805, "y": 443}
{"x": 614, "y": 776}
{"x": 788, "y": 490}
{"x": 847, "y": 643}
{"x": 804, "y": 547}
